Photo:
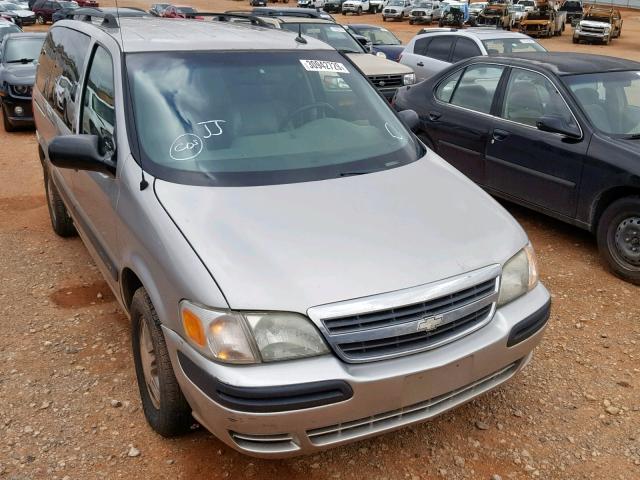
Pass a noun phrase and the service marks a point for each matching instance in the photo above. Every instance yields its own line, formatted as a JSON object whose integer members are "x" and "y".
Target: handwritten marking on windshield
{"x": 218, "y": 128}
{"x": 392, "y": 133}
{"x": 186, "y": 147}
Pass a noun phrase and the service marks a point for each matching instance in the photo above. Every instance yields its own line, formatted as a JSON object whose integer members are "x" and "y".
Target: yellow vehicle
{"x": 598, "y": 23}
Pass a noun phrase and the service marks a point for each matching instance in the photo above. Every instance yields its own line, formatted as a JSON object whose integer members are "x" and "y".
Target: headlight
{"x": 409, "y": 79}
{"x": 21, "y": 90}
{"x": 519, "y": 275}
{"x": 249, "y": 337}
{"x": 381, "y": 54}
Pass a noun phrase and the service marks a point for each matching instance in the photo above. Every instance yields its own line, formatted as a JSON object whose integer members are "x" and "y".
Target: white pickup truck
{"x": 355, "y": 6}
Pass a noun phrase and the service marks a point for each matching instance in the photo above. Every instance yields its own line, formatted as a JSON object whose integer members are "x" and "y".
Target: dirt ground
{"x": 69, "y": 406}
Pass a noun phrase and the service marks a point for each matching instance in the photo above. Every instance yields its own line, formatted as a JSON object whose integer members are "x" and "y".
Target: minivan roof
{"x": 157, "y": 35}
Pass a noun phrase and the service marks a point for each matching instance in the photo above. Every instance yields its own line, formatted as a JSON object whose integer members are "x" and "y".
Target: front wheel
{"x": 359, "y": 12}
{"x": 619, "y": 238}
{"x": 60, "y": 220}
{"x": 575, "y": 40}
{"x": 163, "y": 403}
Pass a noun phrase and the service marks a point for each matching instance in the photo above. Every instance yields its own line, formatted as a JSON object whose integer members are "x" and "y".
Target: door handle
{"x": 433, "y": 116}
{"x": 420, "y": 64}
{"x": 499, "y": 135}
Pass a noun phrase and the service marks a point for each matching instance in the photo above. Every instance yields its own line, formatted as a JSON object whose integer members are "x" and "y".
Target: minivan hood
{"x": 374, "y": 65}
{"x": 290, "y": 247}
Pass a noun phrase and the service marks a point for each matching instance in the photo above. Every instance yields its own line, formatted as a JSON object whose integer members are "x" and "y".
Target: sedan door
{"x": 529, "y": 165}
{"x": 459, "y": 120}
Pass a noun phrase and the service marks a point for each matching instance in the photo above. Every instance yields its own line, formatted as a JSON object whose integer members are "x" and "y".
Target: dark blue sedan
{"x": 382, "y": 40}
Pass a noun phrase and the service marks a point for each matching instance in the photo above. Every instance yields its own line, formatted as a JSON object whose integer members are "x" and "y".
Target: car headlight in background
{"x": 249, "y": 337}
{"x": 519, "y": 275}
{"x": 381, "y": 54}
{"x": 20, "y": 90}
{"x": 409, "y": 79}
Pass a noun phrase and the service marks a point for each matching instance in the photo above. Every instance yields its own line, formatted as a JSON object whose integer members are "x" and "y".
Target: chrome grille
{"x": 596, "y": 30}
{"x": 384, "y": 81}
{"x": 410, "y": 414}
{"x": 418, "y": 13}
{"x": 411, "y": 320}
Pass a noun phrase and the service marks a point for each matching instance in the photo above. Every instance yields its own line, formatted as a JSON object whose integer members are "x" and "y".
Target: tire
{"x": 618, "y": 231}
{"x": 575, "y": 40}
{"x": 410, "y": 22}
{"x": 608, "y": 40}
{"x": 8, "y": 126}
{"x": 166, "y": 410}
{"x": 60, "y": 220}
{"x": 359, "y": 12}
{"x": 384, "y": 19}
{"x": 618, "y": 235}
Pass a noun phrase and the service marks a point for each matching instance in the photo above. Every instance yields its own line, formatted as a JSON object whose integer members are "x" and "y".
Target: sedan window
{"x": 477, "y": 87}
{"x": 530, "y": 96}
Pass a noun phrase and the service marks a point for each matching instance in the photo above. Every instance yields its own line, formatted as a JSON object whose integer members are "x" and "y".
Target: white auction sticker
{"x": 527, "y": 40}
{"x": 323, "y": 66}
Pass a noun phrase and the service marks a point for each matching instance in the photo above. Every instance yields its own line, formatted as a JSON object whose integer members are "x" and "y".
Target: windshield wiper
{"x": 634, "y": 136}
{"x": 346, "y": 50}
{"x": 22, "y": 60}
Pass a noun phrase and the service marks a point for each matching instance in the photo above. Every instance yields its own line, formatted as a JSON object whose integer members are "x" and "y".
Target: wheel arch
{"x": 606, "y": 198}
{"x": 130, "y": 283}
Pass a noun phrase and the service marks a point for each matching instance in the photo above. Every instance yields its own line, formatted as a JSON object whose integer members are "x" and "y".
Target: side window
{"x": 440, "y": 47}
{"x": 420, "y": 47}
{"x": 98, "y": 115}
{"x": 529, "y": 96}
{"x": 464, "y": 48}
{"x": 445, "y": 89}
{"x": 477, "y": 87}
{"x": 45, "y": 64}
{"x": 70, "y": 49}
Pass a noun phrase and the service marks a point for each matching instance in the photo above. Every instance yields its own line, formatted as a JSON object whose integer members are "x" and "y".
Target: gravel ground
{"x": 69, "y": 406}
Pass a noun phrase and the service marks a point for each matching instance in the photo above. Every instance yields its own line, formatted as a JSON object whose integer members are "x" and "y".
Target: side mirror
{"x": 555, "y": 124}
{"x": 410, "y": 119}
{"x": 364, "y": 41}
{"x": 80, "y": 152}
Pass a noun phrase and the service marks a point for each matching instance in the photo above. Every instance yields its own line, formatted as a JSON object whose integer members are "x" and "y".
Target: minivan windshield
{"x": 260, "y": 118}
{"x": 25, "y": 49}
{"x": 330, "y": 33}
{"x": 611, "y": 100}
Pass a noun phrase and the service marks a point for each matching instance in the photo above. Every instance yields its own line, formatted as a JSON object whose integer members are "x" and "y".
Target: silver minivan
{"x": 299, "y": 270}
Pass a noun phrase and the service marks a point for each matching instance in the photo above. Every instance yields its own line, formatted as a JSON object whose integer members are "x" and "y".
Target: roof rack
{"x": 249, "y": 17}
{"x": 88, "y": 14}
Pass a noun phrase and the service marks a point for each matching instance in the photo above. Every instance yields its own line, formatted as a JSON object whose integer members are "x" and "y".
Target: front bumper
{"x": 368, "y": 399}
{"x": 9, "y": 104}
{"x": 581, "y": 35}
{"x": 392, "y": 14}
{"x": 351, "y": 9}
{"x": 427, "y": 18}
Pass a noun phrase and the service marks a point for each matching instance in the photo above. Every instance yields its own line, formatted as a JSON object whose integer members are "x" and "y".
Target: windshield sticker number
{"x": 323, "y": 66}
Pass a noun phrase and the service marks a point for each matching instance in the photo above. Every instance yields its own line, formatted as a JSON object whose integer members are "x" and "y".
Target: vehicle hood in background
{"x": 290, "y": 247}
{"x": 373, "y": 65}
{"x": 19, "y": 73}
{"x": 593, "y": 23}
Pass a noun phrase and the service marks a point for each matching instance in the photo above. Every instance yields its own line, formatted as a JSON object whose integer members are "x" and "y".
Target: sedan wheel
{"x": 619, "y": 238}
